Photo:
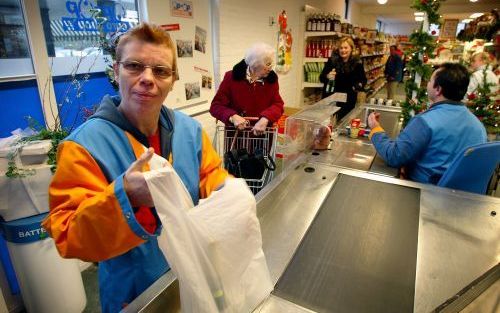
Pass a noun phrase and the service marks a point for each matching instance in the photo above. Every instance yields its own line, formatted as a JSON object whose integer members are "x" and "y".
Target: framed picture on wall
{"x": 448, "y": 29}
{"x": 181, "y": 8}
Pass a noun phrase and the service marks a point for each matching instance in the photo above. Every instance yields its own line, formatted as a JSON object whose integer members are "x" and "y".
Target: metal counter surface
{"x": 359, "y": 153}
{"x": 357, "y": 249}
{"x": 458, "y": 236}
{"x": 458, "y": 239}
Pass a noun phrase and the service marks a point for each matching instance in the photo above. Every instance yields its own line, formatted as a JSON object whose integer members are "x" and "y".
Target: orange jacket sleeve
{"x": 86, "y": 218}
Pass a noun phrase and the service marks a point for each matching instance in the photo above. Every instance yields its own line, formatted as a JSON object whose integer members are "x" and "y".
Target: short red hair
{"x": 149, "y": 33}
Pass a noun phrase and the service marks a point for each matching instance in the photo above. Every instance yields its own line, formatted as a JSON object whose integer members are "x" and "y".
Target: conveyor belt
{"x": 359, "y": 255}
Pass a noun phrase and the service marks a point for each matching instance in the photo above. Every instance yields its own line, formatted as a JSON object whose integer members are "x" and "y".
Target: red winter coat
{"x": 237, "y": 96}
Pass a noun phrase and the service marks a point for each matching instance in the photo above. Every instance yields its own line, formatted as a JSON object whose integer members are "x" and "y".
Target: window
{"x": 72, "y": 35}
{"x": 15, "y": 57}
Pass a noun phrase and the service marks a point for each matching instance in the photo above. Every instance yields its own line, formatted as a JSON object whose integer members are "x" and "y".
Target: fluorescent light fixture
{"x": 476, "y": 15}
{"x": 419, "y": 18}
{"x": 418, "y": 13}
{"x": 382, "y": 1}
{"x": 473, "y": 0}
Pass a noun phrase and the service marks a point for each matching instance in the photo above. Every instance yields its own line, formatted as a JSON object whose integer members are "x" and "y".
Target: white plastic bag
{"x": 215, "y": 248}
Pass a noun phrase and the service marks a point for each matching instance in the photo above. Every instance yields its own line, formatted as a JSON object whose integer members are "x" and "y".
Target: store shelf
{"x": 376, "y": 90}
{"x": 308, "y": 60}
{"x": 311, "y": 85}
{"x": 372, "y": 55}
{"x": 374, "y": 41}
{"x": 374, "y": 80}
{"x": 373, "y": 68}
{"x": 324, "y": 34}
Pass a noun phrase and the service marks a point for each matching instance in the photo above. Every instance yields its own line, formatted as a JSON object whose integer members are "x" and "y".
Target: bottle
{"x": 330, "y": 85}
{"x": 323, "y": 22}
{"x": 309, "y": 23}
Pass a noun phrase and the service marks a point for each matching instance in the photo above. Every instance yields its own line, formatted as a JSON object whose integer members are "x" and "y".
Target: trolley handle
{"x": 255, "y": 119}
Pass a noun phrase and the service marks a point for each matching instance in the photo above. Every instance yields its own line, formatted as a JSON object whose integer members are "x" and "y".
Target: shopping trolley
{"x": 245, "y": 139}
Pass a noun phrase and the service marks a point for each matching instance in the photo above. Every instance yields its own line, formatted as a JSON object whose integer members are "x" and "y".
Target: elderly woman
{"x": 251, "y": 89}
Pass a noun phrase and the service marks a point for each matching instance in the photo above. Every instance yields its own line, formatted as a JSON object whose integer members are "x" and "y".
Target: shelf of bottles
{"x": 327, "y": 23}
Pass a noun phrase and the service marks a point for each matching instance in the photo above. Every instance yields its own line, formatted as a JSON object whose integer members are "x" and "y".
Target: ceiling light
{"x": 419, "y": 18}
{"x": 466, "y": 20}
{"x": 418, "y": 13}
{"x": 473, "y": 0}
{"x": 382, "y": 1}
{"x": 476, "y": 15}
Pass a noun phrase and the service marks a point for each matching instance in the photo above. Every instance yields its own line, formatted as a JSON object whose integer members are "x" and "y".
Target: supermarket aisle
{"x": 399, "y": 95}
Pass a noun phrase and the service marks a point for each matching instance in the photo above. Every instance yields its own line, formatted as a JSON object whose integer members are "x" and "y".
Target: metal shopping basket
{"x": 245, "y": 139}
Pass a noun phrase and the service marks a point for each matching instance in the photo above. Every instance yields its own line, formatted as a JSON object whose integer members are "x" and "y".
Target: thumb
{"x": 141, "y": 161}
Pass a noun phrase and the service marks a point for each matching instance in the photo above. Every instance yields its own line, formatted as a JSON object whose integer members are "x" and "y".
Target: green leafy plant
{"x": 430, "y": 7}
{"x": 483, "y": 104}
{"x": 422, "y": 46}
{"x": 71, "y": 97}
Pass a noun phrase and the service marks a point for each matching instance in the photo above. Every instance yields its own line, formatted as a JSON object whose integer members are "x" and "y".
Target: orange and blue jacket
{"x": 91, "y": 217}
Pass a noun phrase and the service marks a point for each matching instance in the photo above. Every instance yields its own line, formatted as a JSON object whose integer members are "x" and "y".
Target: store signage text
{"x": 82, "y": 19}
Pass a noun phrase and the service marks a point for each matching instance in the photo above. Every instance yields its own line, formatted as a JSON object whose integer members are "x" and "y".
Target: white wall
{"x": 357, "y": 17}
{"x": 400, "y": 28}
{"x": 158, "y": 12}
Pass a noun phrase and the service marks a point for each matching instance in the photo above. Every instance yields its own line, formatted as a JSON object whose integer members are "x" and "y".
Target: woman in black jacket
{"x": 348, "y": 74}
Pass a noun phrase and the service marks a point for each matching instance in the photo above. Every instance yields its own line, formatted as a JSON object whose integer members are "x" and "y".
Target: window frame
{"x": 40, "y": 58}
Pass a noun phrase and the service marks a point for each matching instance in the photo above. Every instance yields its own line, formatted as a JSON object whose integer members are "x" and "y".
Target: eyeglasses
{"x": 136, "y": 68}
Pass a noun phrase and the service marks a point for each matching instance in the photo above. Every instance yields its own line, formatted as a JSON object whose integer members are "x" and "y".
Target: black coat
{"x": 350, "y": 79}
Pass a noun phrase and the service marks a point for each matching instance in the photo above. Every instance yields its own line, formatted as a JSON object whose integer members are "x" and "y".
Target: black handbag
{"x": 243, "y": 164}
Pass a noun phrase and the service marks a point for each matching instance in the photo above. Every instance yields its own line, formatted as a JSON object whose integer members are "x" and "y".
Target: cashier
{"x": 100, "y": 207}
{"x": 431, "y": 140}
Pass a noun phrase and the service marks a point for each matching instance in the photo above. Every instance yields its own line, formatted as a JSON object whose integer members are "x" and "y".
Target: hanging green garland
{"x": 483, "y": 104}
{"x": 431, "y": 7}
{"x": 423, "y": 45}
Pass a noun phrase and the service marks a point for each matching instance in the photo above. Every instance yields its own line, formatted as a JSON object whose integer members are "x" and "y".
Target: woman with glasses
{"x": 100, "y": 207}
{"x": 251, "y": 89}
{"x": 343, "y": 72}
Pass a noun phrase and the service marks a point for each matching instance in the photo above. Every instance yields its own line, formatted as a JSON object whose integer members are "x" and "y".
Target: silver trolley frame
{"x": 246, "y": 139}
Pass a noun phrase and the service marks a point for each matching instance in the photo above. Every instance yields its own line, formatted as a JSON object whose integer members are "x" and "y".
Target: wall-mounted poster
{"x": 181, "y": 8}
{"x": 449, "y": 29}
{"x": 200, "y": 39}
{"x": 184, "y": 48}
{"x": 206, "y": 82}
{"x": 192, "y": 90}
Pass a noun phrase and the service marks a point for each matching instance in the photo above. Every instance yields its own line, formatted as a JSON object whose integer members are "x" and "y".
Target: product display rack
{"x": 317, "y": 47}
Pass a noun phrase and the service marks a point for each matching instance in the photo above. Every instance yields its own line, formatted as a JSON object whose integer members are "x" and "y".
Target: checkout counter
{"x": 342, "y": 234}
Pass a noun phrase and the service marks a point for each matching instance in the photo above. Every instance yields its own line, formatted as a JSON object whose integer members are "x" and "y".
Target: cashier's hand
{"x": 260, "y": 127}
{"x": 134, "y": 183}
{"x": 373, "y": 120}
{"x": 239, "y": 122}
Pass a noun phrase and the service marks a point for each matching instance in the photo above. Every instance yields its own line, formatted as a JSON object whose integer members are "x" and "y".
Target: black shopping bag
{"x": 243, "y": 164}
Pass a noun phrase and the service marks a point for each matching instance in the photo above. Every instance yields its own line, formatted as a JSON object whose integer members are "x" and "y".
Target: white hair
{"x": 258, "y": 54}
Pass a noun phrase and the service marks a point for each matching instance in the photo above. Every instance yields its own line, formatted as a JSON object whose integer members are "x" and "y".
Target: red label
{"x": 169, "y": 27}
